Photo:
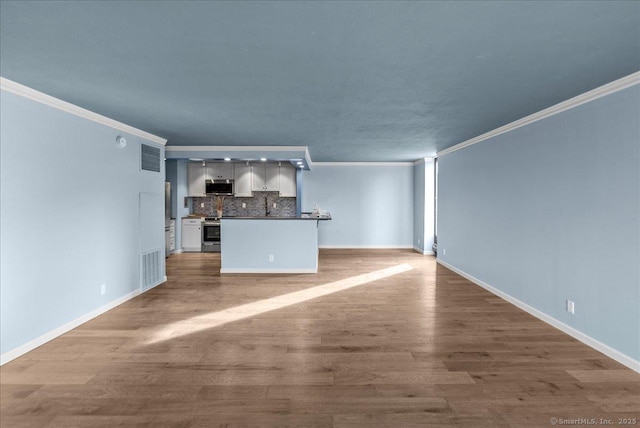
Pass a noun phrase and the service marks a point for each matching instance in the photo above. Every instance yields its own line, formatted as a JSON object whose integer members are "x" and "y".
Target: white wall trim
{"x": 364, "y": 247}
{"x": 424, "y": 160}
{"x": 26, "y": 92}
{"x": 261, "y": 270}
{"x": 423, "y": 252}
{"x": 59, "y": 331}
{"x": 351, "y": 164}
{"x": 234, "y": 148}
{"x": 178, "y": 251}
{"x": 576, "y": 334}
{"x": 223, "y": 150}
{"x": 609, "y": 88}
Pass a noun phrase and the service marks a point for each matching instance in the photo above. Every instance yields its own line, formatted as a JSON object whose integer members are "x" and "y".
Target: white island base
{"x": 283, "y": 245}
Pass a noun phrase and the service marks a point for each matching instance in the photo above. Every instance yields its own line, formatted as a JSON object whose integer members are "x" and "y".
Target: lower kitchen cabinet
{"x": 192, "y": 235}
{"x": 172, "y": 235}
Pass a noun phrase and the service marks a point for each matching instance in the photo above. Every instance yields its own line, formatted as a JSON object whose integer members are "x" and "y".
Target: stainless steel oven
{"x": 211, "y": 235}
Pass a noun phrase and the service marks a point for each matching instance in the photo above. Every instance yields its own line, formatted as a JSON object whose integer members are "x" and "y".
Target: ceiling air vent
{"x": 150, "y": 158}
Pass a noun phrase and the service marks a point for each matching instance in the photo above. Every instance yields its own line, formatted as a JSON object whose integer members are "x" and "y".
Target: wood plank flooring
{"x": 422, "y": 347}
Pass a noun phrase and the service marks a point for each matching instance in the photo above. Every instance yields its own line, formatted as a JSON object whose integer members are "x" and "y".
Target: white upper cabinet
{"x": 195, "y": 179}
{"x": 287, "y": 180}
{"x": 272, "y": 177}
{"x": 265, "y": 177}
{"x": 242, "y": 186}
{"x": 220, "y": 171}
{"x": 258, "y": 177}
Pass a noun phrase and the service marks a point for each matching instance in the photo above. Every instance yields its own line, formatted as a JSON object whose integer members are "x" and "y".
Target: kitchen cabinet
{"x": 192, "y": 235}
{"x": 172, "y": 235}
{"x": 219, "y": 171}
{"x": 242, "y": 177}
{"x": 266, "y": 177}
{"x": 195, "y": 179}
{"x": 287, "y": 180}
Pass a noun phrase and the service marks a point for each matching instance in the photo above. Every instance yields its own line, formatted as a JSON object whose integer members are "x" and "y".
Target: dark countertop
{"x": 304, "y": 216}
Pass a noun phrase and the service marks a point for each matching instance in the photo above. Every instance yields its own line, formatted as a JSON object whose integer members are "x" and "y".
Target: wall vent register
{"x": 150, "y": 158}
{"x": 151, "y": 269}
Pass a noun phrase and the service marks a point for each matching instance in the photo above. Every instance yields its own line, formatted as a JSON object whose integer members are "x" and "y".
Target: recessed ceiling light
{"x": 263, "y": 159}
{"x": 227, "y": 159}
{"x": 301, "y": 166}
{"x": 299, "y": 163}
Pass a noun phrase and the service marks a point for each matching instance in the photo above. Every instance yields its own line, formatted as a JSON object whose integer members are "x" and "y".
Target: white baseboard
{"x": 576, "y": 334}
{"x": 260, "y": 270}
{"x": 364, "y": 247}
{"x": 39, "y": 341}
{"x": 177, "y": 251}
{"x": 424, "y": 252}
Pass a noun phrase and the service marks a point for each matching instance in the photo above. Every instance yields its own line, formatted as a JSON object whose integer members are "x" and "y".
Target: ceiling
{"x": 353, "y": 81}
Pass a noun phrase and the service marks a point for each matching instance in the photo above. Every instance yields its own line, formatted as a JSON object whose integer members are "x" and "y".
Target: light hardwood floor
{"x": 420, "y": 346}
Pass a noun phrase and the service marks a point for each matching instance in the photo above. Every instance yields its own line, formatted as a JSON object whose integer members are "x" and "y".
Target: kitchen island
{"x": 270, "y": 244}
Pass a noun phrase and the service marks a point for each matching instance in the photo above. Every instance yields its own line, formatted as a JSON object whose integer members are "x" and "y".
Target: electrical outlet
{"x": 202, "y": 205}
{"x": 444, "y": 252}
{"x": 103, "y": 289}
{"x": 275, "y": 205}
{"x": 270, "y": 257}
{"x": 571, "y": 307}
{"x": 418, "y": 240}
{"x": 244, "y": 205}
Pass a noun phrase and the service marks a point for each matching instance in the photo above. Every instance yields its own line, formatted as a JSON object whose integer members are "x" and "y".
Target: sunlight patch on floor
{"x": 216, "y": 319}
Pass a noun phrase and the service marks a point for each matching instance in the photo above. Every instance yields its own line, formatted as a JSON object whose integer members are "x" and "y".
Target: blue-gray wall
{"x": 551, "y": 211}
{"x": 247, "y": 245}
{"x": 372, "y": 206}
{"x": 69, "y": 218}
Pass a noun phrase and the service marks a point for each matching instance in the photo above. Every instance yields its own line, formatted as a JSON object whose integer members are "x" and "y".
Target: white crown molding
{"x": 26, "y": 92}
{"x": 576, "y": 334}
{"x": 424, "y": 160}
{"x": 351, "y": 164}
{"x": 609, "y": 88}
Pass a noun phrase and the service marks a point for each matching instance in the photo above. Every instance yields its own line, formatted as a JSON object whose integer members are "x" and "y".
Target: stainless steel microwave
{"x": 219, "y": 187}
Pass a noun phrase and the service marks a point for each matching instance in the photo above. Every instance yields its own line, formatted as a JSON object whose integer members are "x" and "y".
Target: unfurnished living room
{"x": 319, "y": 213}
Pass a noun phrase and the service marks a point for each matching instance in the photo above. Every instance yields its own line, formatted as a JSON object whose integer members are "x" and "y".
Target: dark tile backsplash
{"x": 286, "y": 207}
